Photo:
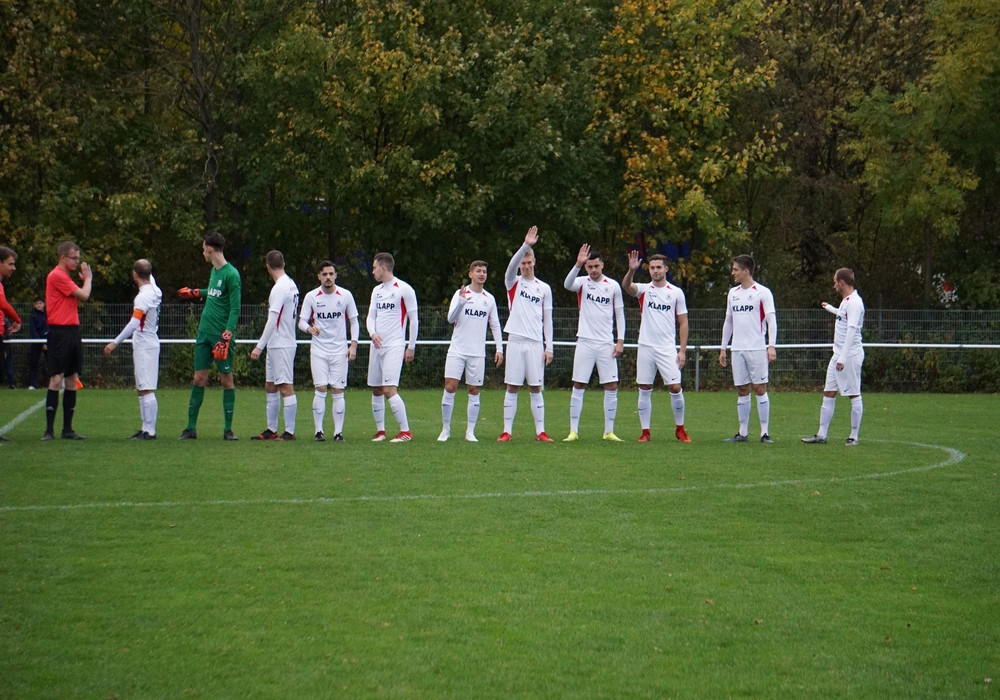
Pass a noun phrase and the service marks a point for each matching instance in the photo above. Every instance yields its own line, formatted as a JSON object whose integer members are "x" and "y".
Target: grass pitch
{"x": 591, "y": 569}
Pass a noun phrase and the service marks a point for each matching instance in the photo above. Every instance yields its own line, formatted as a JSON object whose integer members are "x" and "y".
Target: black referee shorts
{"x": 65, "y": 350}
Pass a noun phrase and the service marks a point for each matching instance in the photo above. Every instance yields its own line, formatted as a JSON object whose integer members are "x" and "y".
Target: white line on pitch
{"x": 25, "y": 414}
{"x": 954, "y": 457}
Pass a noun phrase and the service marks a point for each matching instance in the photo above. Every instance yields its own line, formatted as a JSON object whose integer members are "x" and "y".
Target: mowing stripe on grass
{"x": 954, "y": 457}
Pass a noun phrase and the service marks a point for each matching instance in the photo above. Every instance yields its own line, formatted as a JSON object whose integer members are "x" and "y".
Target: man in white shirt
{"x": 279, "y": 340}
{"x": 326, "y": 314}
{"x": 471, "y": 312}
{"x": 602, "y": 312}
{"x": 843, "y": 374}
{"x": 393, "y": 307}
{"x": 529, "y": 337}
{"x": 749, "y": 316}
{"x": 664, "y": 315}
{"x": 142, "y": 328}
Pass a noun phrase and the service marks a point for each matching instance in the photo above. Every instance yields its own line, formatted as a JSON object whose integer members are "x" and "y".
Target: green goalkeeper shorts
{"x": 203, "y": 359}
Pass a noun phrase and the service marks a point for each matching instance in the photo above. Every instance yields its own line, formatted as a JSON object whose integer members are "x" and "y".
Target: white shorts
{"x": 385, "y": 365}
{"x": 147, "y": 367}
{"x": 594, "y": 352}
{"x": 279, "y": 367}
{"x": 649, "y": 360}
{"x": 848, "y": 380}
{"x": 749, "y": 367}
{"x": 473, "y": 367}
{"x": 525, "y": 362}
{"x": 329, "y": 370}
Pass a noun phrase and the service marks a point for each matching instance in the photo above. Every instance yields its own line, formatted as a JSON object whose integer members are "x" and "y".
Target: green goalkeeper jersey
{"x": 222, "y": 303}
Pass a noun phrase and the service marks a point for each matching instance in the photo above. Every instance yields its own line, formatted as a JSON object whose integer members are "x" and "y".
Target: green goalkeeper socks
{"x": 194, "y": 406}
{"x": 228, "y": 406}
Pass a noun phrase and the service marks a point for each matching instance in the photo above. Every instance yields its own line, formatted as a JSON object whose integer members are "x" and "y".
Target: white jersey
{"x": 282, "y": 304}
{"x": 847, "y": 332}
{"x": 601, "y": 307}
{"x": 530, "y": 304}
{"x": 332, "y": 314}
{"x": 471, "y": 317}
{"x": 145, "y": 322}
{"x": 659, "y": 308}
{"x": 392, "y": 304}
{"x": 747, "y": 314}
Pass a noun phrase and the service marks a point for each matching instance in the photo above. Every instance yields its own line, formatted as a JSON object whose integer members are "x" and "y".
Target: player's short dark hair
{"x": 594, "y": 255}
{"x": 67, "y": 247}
{"x": 143, "y": 269}
{"x": 658, "y": 256}
{"x": 215, "y": 240}
{"x": 325, "y": 263}
{"x": 385, "y": 260}
{"x": 746, "y": 262}
{"x": 275, "y": 260}
{"x": 6, "y": 253}
{"x": 845, "y": 275}
{"x": 477, "y": 263}
{"x": 38, "y": 299}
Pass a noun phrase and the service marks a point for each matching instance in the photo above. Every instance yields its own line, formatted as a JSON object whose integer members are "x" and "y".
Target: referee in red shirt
{"x": 62, "y": 296}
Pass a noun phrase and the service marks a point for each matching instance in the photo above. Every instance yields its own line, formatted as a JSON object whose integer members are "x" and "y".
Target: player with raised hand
{"x": 142, "y": 329}
{"x": 326, "y": 314}
{"x": 215, "y": 333}
{"x": 393, "y": 307}
{"x": 663, "y": 314}
{"x": 843, "y": 373}
{"x": 278, "y": 337}
{"x": 602, "y": 312}
{"x": 529, "y": 337}
{"x": 471, "y": 312}
{"x": 752, "y": 325}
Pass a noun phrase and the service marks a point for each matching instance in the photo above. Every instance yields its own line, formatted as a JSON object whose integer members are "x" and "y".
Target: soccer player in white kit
{"x": 529, "y": 337}
{"x": 393, "y": 307}
{"x": 602, "y": 312}
{"x": 749, "y": 314}
{"x": 664, "y": 315}
{"x": 326, "y": 314}
{"x": 143, "y": 328}
{"x": 844, "y": 371}
{"x": 472, "y": 311}
{"x": 279, "y": 340}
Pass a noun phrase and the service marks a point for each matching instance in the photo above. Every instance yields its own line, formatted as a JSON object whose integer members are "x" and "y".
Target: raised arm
{"x": 634, "y": 261}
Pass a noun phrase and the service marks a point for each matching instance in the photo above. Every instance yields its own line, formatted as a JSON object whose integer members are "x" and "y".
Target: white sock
{"x": 610, "y": 410}
{"x": 743, "y": 413}
{"x": 447, "y": 407}
{"x": 645, "y": 407}
{"x": 147, "y": 412}
{"x": 319, "y": 410}
{"x": 575, "y": 409}
{"x": 472, "y": 414}
{"x": 857, "y": 410}
{"x": 378, "y": 411}
{"x": 677, "y": 403}
{"x": 273, "y": 407}
{"x": 509, "y": 411}
{"x": 339, "y": 409}
{"x": 826, "y": 415}
{"x": 763, "y": 412}
{"x": 291, "y": 406}
{"x": 399, "y": 411}
{"x": 538, "y": 411}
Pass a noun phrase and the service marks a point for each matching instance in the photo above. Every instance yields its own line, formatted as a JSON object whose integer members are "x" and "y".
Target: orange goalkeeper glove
{"x": 188, "y": 293}
{"x": 221, "y": 349}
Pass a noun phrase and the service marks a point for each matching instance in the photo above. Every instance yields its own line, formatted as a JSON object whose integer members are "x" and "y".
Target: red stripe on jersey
{"x": 579, "y": 296}
{"x": 641, "y": 297}
{"x": 511, "y": 293}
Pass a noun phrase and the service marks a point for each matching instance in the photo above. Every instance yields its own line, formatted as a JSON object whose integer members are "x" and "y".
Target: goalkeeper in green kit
{"x": 215, "y": 334}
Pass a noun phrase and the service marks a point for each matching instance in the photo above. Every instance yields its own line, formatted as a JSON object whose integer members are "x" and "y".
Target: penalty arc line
{"x": 954, "y": 457}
